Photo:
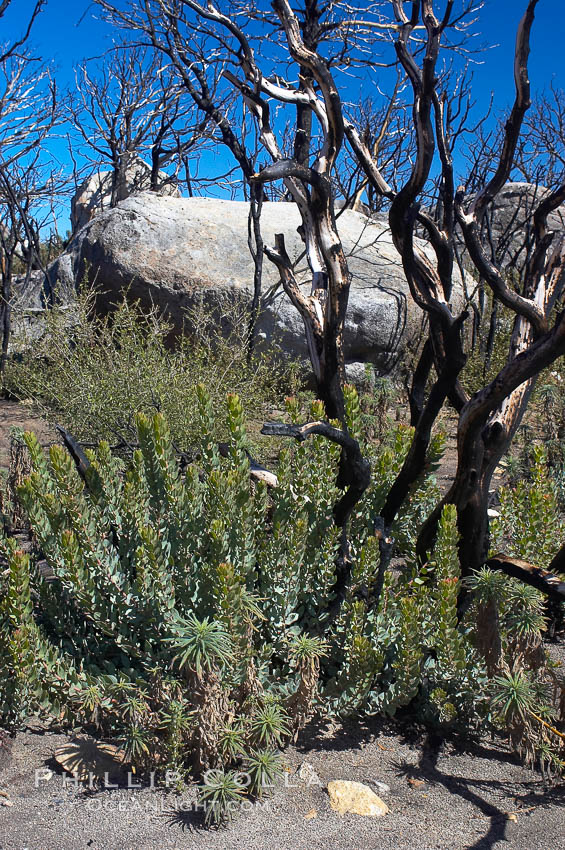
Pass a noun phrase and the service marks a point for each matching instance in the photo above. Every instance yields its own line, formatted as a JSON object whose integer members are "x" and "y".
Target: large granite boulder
{"x": 509, "y": 222}
{"x": 176, "y": 252}
{"x": 95, "y": 194}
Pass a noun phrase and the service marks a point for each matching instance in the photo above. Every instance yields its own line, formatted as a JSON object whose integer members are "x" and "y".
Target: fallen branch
{"x": 542, "y": 580}
{"x": 75, "y": 449}
{"x": 547, "y": 725}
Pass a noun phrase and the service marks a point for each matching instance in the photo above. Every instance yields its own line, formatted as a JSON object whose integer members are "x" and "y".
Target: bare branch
{"x": 543, "y": 580}
{"x": 514, "y": 123}
{"x": 359, "y": 467}
{"x": 21, "y": 41}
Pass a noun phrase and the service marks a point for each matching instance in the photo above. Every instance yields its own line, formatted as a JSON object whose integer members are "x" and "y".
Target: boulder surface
{"x": 509, "y": 221}
{"x": 95, "y": 194}
{"x": 178, "y": 252}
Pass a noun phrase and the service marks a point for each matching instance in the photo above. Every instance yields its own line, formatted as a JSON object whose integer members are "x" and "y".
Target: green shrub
{"x": 530, "y": 525}
{"x": 509, "y": 626}
{"x": 482, "y": 367}
{"x": 188, "y": 612}
{"x": 92, "y": 377}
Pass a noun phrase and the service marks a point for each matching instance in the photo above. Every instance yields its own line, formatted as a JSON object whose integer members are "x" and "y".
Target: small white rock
{"x": 308, "y": 775}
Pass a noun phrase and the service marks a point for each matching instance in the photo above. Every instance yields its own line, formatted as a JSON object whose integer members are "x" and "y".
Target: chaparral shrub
{"x": 187, "y": 613}
{"x": 93, "y": 376}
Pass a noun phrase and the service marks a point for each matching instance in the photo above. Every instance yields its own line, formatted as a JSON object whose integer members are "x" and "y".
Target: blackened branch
{"x": 359, "y": 468}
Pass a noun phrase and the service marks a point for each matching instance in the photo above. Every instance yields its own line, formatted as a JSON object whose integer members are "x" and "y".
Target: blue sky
{"x": 547, "y": 47}
{"x": 66, "y": 33}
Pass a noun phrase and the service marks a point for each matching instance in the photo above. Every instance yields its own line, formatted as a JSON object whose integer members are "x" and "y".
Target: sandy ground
{"x": 438, "y": 797}
{"x": 21, "y": 416}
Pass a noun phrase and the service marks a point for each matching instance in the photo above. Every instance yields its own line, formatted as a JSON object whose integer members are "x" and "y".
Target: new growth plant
{"x": 190, "y": 615}
{"x": 527, "y": 689}
{"x": 530, "y": 524}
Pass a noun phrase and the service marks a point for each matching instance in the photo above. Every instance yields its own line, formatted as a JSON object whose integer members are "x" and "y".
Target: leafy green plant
{"x": 233, "y": 741}
{"x": 186, "y": 614}
{"x": 263, "y": 768}
{"x": 374, "y": 403}
{"x": 270, "y": 725}
{"x": 509, "y": 627}
{"x": 200, "y": 643}
{"x": 306, "y": 653}
{"x": 94, "y": 375}
{"x": 490, "y": 593}
{"x": 221, "y": 795}
{"x": 175, "y": 723}
{"x": 523, "y": 705}
{"x": 529, "y": 525}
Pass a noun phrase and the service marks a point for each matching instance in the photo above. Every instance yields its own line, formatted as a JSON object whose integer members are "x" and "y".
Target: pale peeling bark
{"x": 323, "y": 312}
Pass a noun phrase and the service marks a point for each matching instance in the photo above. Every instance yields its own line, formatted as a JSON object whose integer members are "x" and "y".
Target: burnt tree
{"x": 312, "y": 42}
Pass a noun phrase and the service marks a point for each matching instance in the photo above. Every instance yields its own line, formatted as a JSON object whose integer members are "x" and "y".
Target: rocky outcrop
{"x": 32, "y": 296}
{"x": 176, "y": 252}
{"x": 509, "y": 222}
{"x": 95, "y": 194}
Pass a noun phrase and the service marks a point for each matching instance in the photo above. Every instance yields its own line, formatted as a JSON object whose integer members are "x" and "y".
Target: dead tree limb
{"x": 543, "y": 580}
{"x": 359, "y": 466}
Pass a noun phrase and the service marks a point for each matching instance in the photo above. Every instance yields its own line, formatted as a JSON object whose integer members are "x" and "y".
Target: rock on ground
{"x": 355, "y": 798}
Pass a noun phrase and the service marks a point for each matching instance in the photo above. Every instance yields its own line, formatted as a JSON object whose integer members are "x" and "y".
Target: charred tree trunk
{"x": 487, "y": 425}
{"x": 257, "y": 250}
{"x": 6, "y": 313}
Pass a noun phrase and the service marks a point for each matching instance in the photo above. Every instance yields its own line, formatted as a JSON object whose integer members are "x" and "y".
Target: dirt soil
{"x": 14, "y": 415}
{"x": 439, "y": 796}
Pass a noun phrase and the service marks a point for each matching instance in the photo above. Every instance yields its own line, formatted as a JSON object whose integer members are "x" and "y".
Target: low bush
{"x": 527, "y": 689}
{"x": 94, "y": 376}
{"x": 530, "y": 525}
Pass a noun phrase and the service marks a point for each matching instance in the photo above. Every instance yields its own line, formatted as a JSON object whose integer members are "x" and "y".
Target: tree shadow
{"x": 354, "y": 735}
{"x": 469, "y": 789}
{"x": 322, "y": 734}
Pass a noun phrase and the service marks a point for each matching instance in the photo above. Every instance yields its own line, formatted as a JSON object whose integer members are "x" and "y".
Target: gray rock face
{"x": 32, "y": 297}
{"x": 510, "y": 220}
{"x": 95, "y": 194}
{"x": 176, "y": 252}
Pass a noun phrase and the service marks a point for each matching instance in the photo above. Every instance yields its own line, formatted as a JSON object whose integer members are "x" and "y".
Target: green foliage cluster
{"x": 525, "y": 686}
{"x": 530, "y": 524}
{"x": 187, "y": 614}
{"x": 93, "y": 376}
